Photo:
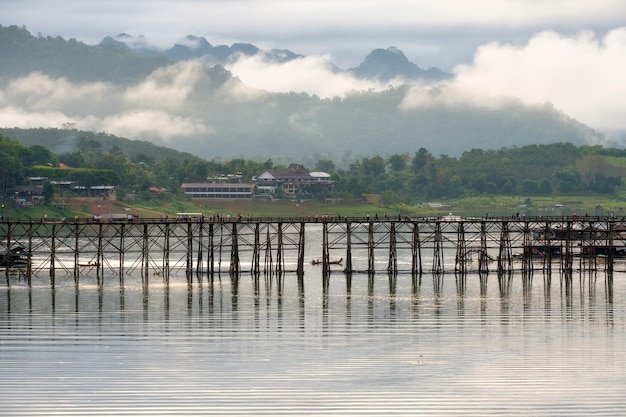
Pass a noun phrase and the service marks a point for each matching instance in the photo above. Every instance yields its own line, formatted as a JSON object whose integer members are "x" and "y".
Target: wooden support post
{"x": 234, "y": 251}
{"x": 211, "y": 251}
{"x": 145, "y": 255}
{"x": 568, "y": 247}
{"x": 301, "y": 243}
{"x": 610, "y": 231}
{"x": 462, "y": 253}
{"x": 100, "y": 257}
{"x": 416, "y": 250}
{"x": 392, "y": 265}
{"x": 165, "y": 262}
{"x": 8, "y": 252}
{"x": 268, "y": 265}
{"x": 29, "y": 265}
{"x": 438, "y": 249}
{"x": 504, "y": 253}
{"x": 348, "y": 268}
{"x": 199, "y": 262}
{"x": 76, "y": 253}
{"x": 483, "y": 256}
{"x": 325, "y": 251}
{"x": 122, "y": 250}
{"x": 255, "y": 268}
{"x": 189, "y": 257}
{"x": 53, "y": 253}
{"x": 280, "y": 261}
{"x": 370, "y": 249}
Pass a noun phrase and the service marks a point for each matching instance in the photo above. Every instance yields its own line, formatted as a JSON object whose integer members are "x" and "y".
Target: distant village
{"x": 294, "y": 182}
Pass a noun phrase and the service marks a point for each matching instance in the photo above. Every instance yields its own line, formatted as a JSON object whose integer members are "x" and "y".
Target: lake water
{"x": 247, "y": 350}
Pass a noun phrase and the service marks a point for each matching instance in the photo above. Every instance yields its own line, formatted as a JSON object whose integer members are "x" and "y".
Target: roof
{"x": 294, "y": 173}
{"x": 217, "y": 185}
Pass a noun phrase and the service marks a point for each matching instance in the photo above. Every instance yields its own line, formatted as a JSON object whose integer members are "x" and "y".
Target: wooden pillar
{"x": 392, "y": 265}
{"x": 325, "y": 251}
{"x": 610, "y": 228}
{"x": 348, "y": 268}
{"x": 53, "y": 253}
{"x": 370, "y": 249}
{"x": 76, "y": 253}
{"x": 255, "y": 269}
{"x": 234, "y": 251}
{"x": 145, "y": 255}
{"x": 189, "y": 258}
{"x": 483, "y": 256}
{"x": 462, "y": 253}
{"x": 504, "y": 249}
{"x": 211, "y": 251}
{"x": 301, "y": 243}
{"x": 280, "y": 261}
{"x": 438, "y": 250}
{"x": 268, "y": 265}
{"x": 527, "y": 255}
{"x": 100, "y": 256}
{"x": 7, "y": 253}
{"x": 199, "y": 262}
{"x": 416, "y": 250}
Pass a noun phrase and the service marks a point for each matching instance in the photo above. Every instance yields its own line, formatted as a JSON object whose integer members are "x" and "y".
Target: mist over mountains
{"x": 205, "y": 99}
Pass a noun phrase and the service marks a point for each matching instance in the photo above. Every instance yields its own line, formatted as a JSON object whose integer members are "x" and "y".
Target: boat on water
{"x": 16, "y": 257}
{"x": 89, "y": 264}
{"x": 319, "y": 261}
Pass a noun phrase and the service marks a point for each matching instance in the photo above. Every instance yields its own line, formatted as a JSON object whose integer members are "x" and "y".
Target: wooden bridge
{"x": 277, "y": 245}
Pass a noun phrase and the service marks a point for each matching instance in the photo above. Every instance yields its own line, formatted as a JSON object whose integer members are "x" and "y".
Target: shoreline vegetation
{"x": 492, "y": 206}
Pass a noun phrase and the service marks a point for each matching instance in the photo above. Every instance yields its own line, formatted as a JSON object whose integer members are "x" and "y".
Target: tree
{"x": 325, "y": 165}
{"x": 397, "y": 162}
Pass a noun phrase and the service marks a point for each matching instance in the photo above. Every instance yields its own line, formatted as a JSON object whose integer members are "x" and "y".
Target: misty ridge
{"x": 195, "y": 98}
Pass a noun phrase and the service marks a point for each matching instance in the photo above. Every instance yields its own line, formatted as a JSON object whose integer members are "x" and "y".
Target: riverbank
{"x": 494, "y": 206}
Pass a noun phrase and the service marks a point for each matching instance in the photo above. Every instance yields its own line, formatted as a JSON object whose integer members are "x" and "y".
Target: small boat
{"x": 319, "y": 261}
{"x": 16, "y": 257}
{"x": 89, "y": 264}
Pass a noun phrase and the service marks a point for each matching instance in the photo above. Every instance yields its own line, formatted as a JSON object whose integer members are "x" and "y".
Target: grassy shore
{"x": 499, "y": 206}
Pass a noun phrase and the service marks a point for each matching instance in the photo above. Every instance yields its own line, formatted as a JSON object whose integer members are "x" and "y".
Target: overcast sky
{"x": 431, "y": 32}
{"x": 571, "y": 53}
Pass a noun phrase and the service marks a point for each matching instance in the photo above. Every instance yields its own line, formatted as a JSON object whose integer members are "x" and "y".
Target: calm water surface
{"x": 233, "y": 349}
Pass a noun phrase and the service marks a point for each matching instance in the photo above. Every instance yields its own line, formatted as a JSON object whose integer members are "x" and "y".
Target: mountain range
{"x": 186, "y": 98}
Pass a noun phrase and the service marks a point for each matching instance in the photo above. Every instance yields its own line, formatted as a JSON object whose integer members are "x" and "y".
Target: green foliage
{"x": 534, "y": 170}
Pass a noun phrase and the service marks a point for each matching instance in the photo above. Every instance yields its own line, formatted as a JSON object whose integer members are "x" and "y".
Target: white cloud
{"x": 312, "y": 74}
{"x": 581, "y": 75}
{"x": 167, "y": 88}
{"x": 143, "y": 124}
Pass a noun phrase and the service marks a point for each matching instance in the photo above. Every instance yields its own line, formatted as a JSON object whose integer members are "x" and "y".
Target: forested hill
{"x": 209, "y": 112}
{"x": 69, "y": 141}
